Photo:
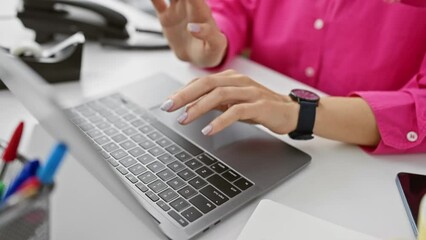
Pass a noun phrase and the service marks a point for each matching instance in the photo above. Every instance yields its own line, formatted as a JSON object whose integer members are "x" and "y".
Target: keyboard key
{"x": 146, "y": 144}
{"x": 173, "y": 149}
{"x": 121, "y": 111}
{"x": 95, "y": 119}
{"x": 145, "y": 159}
{"x": 103, "y": 125}
{"x": 112, "y": 162}
{"x": 129, "y": 117}
{"x": 193, "y": 164}
{"x": 163, "y": 205}
{"x": 231, "y": 175}
{"x": 168, "y": 195}
{"x": 219, "y": 167}
{"x": 197, "y": 183}
{"x": 187, "y": 192}
{"x": 104, "y": 154}
{"x": 127, "y": 162}
{"x": 138, "y": 123}
{"x": 119, "y": 154}
{"x": 178, "y": 218}
{"x": 94, "y": 133}
{"x": 223, "y": 185}
{"x": 183, "y": 156}
{"x": 156, "y": 151}
{"x": 141, "y": 187}
{"x": 166, "y": 174}
{"x": 131, "y": 178}
{"x": 111, "y": 131}
{"x": 101, "y": 140}
{"x": 204, "y": 172}
{"x": 129, "y": 131}
{"x": 214, "y": 195}
{"x": 176, "y": 166}
{"x": 206, "y": 159}
{"x": 166, "y": 158}
{"x": 202, "y": 203}
{"x": 137, "y": 169}
{"x": 121, "y": 125}
{"x": 127, "y": 144}
{"x": 136, "y": 152}
{"x": 191, "y": 214}
{"x": 186, "y": 174}
{"x": 152, "y": 196}
{"x": 109, "y": 147}
{"x": 112, "y": 118}
{"x": 179, "y": 140}
{"x": 154, "y": 136}
{"x": 138, "y": 138}
{"x": 86, "y": 126}
{"x": 122, "y": 170}
{"x": 147, "y": 177}
{"x": 243, "y": 184}
{"x": 164, "y": 142}
{"x": 119, "y": 138}
{"x": 157, "y": 186}
{"x": 146, "y": 129}
{"x": 179, "y": 204}
{"x": 156, "y": 166}
{"x": 176, "y": 183}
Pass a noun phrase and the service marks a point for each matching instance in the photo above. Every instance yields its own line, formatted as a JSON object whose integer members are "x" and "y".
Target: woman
{"x": 369, "y": 55}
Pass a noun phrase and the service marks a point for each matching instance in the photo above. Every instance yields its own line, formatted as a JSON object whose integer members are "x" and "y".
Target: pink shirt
{"x": 369, "y": 48}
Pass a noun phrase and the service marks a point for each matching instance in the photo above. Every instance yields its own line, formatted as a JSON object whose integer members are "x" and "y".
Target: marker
{"x": 1, "y": 189}
{"x": 29, "y": 170}
{"x": 28, "y": 189}
{"x": 11, "y": 150}
{"x": 46, "y": 174}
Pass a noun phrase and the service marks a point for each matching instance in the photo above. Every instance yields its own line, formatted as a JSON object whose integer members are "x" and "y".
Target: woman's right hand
{"x": 191, "y": 31}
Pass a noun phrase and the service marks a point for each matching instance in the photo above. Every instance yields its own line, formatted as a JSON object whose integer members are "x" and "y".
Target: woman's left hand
{"x": 239, "y": 97}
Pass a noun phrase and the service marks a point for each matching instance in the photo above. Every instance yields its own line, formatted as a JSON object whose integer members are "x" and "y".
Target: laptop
{"x": 186, "y": 181}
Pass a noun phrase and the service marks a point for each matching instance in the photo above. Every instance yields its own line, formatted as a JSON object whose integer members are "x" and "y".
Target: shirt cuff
{"x": 399, "y": 126}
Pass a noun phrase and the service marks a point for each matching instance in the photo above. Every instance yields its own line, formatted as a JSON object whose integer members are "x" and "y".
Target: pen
{"x": 46, "y": 173}
{"x": 1, "y": 189}
{"x": 28, "y": 189}
{"x": 11, "y": 150}
{"x": 29, "y": 170}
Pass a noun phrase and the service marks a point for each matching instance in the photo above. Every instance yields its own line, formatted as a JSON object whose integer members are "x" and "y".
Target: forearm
{"x": 346, "y": 119}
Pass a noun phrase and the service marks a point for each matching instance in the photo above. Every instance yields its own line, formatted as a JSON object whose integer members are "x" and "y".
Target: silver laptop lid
{"x": 39, "y": 98}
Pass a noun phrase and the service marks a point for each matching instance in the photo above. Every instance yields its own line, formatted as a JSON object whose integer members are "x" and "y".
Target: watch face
{"x": 305, "y": 95}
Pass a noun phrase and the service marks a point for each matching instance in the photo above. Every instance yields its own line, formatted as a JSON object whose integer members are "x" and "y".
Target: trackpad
{"x": 249, "y": 150}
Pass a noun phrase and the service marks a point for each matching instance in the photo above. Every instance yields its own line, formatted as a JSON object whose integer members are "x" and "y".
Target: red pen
{"x": 11, "y": 150}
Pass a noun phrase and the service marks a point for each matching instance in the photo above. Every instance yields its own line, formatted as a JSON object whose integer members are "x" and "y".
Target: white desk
{"x": 343, "y": 184}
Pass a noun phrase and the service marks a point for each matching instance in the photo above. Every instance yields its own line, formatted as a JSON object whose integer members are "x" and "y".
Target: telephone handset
{"x": 50, "y": 17}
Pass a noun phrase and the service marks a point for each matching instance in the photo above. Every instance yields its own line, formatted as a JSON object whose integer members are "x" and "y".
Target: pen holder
{"x": 27, "y": 219}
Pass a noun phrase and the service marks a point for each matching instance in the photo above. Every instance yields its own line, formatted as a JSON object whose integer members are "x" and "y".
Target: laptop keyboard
{"x": 178, "y": 176}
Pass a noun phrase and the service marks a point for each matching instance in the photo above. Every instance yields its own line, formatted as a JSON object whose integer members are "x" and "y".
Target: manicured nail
{"x": 207, "y": 129}
{"x": 194, "y": 27}
{"x": 182, "y": 117}
{"x": 167, "y": 105}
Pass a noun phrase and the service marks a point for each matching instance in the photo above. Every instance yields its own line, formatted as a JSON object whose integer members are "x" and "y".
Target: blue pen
{"x": 46, "y": 173}
{"x": 29, "y": 170}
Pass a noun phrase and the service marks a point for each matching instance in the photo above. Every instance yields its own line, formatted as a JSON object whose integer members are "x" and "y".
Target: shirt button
{"x": 309, "y": 71}
{"x": 412, "y": 136}
{"x": 318, "y": 24}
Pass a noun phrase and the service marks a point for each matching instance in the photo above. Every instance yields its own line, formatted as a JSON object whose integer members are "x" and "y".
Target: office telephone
{"x": 98, "y": 22}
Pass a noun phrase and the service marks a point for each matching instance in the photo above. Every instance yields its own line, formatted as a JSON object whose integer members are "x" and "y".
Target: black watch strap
{"x": 305, "y": 123}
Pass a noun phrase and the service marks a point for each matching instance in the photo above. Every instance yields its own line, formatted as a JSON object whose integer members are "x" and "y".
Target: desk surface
{"x": 343, "y": 184}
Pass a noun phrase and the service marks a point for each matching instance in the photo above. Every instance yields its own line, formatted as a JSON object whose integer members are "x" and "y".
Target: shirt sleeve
{"x": 400, "y": 116}
{"x": 234, "y": 19}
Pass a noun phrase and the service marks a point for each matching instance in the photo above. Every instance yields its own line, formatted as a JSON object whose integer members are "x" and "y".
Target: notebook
{"x": 272, "y": 221}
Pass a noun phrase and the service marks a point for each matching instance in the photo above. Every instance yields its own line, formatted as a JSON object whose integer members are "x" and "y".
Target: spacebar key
{"x": 185, "y": 144}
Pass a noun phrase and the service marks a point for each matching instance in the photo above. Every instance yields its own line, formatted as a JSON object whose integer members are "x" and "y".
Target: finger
{"x": 207, "y": 32}
{"x": 221, "y": 96}
{"x": 198, "y": 11}
{"x": 159, "y": 5}
{"x": 200, "y": 87}
{"x": 243, "y": 112}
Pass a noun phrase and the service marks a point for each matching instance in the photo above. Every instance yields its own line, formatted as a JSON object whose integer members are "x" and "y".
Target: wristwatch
{"x": 308, "y": 104}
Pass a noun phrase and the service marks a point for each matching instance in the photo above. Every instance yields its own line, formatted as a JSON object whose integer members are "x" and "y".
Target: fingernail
{"x": 194, "y": 27}
{"x": 182, "y": 117}
{"x": 167, "y": 105}
{"x": 207, "y": 129}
